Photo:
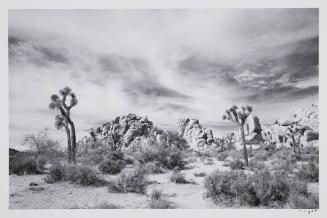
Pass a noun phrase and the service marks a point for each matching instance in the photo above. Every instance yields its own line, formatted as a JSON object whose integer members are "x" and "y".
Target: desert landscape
{"x": 164, "y": 109}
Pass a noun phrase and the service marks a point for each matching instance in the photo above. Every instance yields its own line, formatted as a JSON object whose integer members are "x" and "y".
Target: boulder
{"x": 197, "y": 137}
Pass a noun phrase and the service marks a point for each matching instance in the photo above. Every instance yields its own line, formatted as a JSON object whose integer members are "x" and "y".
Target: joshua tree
{"x": 63, "y": 120}
{"x": 294, "y": 132}
{"x": 238, "y": 116}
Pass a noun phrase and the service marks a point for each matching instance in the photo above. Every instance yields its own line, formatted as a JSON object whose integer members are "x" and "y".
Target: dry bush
{"x": 262, "y": 188}
{"x": 158, "y": 202}
{"x": 129, "y": 181}
{"x": 309, "y": 172}
{"x": 27, "y": 163}
{"x": 222, "y": 156}
{"x": 76, "y": 174}
{"x": 236, "y": 164}
{"x": 201, "y": 174}
{"x": 178, "y": 177}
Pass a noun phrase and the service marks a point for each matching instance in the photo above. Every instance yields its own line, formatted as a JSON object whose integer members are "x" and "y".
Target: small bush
{"x": 172, "y": 158}
{"x": 256, "y": 165}
{"x": 300, "y": 198}
{"x": 26, "y": 163}
{"x": 178, "y": 177}
{"x": 236, "y": 188}
{"x": 77, "y": 174}
{"x": 283, "y": 165}
{"x": 218, "y": 185}
{"x": 263, "y": 155}
{"x": 222, "y": 156}
{"x": 157, "y": 201}
{"x": 111, "y": 166}
{"x": 236, "y": 164}
{"x": 106, "y": 205}
{"x": 201, "y": 174}
{"x": 129, "y": 181}
{"x": 309, "y": 172}
{"x": 151, "y": 168}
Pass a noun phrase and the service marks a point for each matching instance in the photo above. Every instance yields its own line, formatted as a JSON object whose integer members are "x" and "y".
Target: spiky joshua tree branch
{"x": 238, "y": 116}
{"x": 63, "y": 119}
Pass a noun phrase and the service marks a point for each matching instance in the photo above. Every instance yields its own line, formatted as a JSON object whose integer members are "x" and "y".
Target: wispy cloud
{"x": 166, "y": 64}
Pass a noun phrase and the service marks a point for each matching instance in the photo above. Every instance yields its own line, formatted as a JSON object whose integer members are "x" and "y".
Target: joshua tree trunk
{"x": 73, "y": 141}
{"x": 245, "y": 153}
{"x": 69, "y": 144}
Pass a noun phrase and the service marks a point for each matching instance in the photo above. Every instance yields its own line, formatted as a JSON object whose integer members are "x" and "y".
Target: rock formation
{"x": 197, "y": 137}
{"x": 302, "y": 127}
{"x": 122, "y": 130}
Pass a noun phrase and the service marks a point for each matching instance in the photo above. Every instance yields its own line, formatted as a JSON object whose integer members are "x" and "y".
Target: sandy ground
{"x": 66, "y": 195}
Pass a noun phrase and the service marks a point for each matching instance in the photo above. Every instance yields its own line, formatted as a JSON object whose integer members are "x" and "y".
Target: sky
{"x": 164, "y": 64}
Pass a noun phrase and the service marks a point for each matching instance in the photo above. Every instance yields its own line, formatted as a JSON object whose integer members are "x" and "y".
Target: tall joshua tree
{"x": 63, "y": 119}
{"x": 238, "y": 116}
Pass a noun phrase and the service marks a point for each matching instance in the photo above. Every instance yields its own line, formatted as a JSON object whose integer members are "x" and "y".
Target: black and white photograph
{"x": 213, "y": 108}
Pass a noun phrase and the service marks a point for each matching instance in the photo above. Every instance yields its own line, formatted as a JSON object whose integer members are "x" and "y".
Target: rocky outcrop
{"x": 123, "y": 130}
{"x": 197, "y": 137}
{"x": 302, "y": 127}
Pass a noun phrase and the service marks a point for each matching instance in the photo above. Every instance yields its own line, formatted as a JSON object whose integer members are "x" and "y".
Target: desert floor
{"x": 66, "y": 195}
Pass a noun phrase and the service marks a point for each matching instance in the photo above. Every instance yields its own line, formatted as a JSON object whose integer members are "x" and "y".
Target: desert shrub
{"x": 147, "y": 150}
{"x": 171, "y": 158}
{"x": 129, "y": 160}
{"x": 174, "y": 139}
{"x": 178, "y": 177}
{"x": 56, "y": 173}
{"x": 151, "y": 168}
{"x": 26, "y": 163}
{"x": 201, "y": 174}
{"x": 256, "y": 165}
{"x": 283, "y": 153}
{"x": 283, "y": 165}
{"x": 309, "y": 172}
{"x": 111, "y": 166}
{"x": 303, "y": 202}
{"x": 129, "y": 181}
{"x": 222, "y": 156}
{"x": 236, "y": 164}
{"x": 310, "y": 150}
{"x": 300, "y": 198}
{"x": 106, "y": 205}
{"x": 40, "y": 143}
{"x": 158, "y": 202}
{"x": 237, "y": 188}
{"x": 262, "y": 155}
{"x": 218, "y": 185}
{"x": 77, "y": 174}
{"x": 244, "y": 191}
{"x": 93, "y": 152}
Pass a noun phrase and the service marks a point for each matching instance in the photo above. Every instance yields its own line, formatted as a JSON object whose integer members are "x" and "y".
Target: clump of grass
{"x": 158, "y": 202}
{"x": 129, "y": 181}
{"x": 201, "y": 174}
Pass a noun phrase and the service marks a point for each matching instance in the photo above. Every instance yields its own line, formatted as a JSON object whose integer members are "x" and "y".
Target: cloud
{"x": 167, "y": 64}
